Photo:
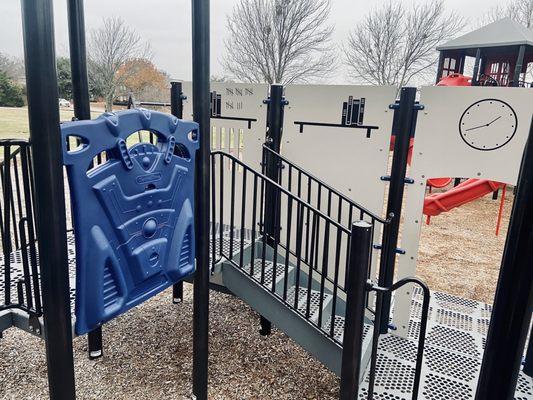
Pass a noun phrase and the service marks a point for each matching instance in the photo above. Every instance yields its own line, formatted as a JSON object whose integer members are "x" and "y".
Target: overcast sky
{"x": 166, "y": 25}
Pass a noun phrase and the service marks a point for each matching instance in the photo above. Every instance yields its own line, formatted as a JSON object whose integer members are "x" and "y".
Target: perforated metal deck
{"x": 17, "y": 273}
{"x": 455, "y": 341}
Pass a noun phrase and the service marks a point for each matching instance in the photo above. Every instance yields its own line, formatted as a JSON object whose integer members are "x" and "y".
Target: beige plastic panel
{"x": 234, "y": 137}
{"x": 440, "y": 151}
{"x": 343, "y": 157}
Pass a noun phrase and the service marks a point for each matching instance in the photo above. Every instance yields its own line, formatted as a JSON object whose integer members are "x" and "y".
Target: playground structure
{"x": 296, "y": 239}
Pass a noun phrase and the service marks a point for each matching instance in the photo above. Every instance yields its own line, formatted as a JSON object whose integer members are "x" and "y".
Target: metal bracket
{"x": 387, "y": 178}
{"x": 416, "y": 107}
{"x": 398, "y": 250}
{"x": 35, "y": 324}
{"x": 283, "y": 101}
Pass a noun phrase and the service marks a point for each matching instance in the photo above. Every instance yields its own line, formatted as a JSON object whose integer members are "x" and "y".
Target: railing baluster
{"x": 17, "y": 183}
{"x": 299, "y": 240}
{"x": 232, "y": 210}
{"x": 25, "y": 263}
{"x": 311, "y": 268}
{"x": 309, "y": 187}
{"x": 28, "y": 199}
{"x": 243, "y": 217}
{"x": 288, "y": 246}
{"x": 213, "y": 214}
{"x": 221, "y": 225}
{"x": 336, "y": 281}
{"x": 277, "y": 219}
{"x": 7, "y": 230}
{"x": 324, "y": 273}
{"x": 254, "y": 213}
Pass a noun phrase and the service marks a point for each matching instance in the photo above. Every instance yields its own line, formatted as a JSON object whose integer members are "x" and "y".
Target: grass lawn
{"x": 14, "y": 121}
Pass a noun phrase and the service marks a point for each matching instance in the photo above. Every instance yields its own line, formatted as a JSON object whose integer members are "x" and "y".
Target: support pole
{"x": 519, "y": 65}
{"x": 476, "y": 68}
{"x": 82, "y": 108}
{"x": 176, "y": 109}
{"x": 358, "y": 264}
{"x": 176, "y": 99}
{"x": 41, "y": 84}
{"x": 513, "y": 301}
{"x": 78, "y": 59}
{"x": 440, "y": 66}
{"x": 273, "y": 141}
{"x": 405, "y": 126}
{"x": 201, "y": 113}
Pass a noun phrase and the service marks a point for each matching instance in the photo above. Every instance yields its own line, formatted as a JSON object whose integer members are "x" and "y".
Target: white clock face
{"x": 488, "y": 124}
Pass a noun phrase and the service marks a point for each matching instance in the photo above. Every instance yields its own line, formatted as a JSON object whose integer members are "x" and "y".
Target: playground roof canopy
{"x": 504, "y": 32}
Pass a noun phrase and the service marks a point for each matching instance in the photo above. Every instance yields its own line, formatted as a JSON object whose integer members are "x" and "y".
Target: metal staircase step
{"x": 338, "y": 328}
{"x": 314, "y": 302}
{"x": 269, "y": 273}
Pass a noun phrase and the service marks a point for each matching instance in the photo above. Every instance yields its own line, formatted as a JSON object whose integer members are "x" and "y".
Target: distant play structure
{"x": 502, "y": 52}
{"x": 275, "y": 195}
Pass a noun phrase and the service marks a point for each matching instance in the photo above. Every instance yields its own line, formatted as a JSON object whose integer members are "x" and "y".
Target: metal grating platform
{"x": 16, "y": 267}
{"x": 17, "y": 270}
{"x": 455, "y": 342}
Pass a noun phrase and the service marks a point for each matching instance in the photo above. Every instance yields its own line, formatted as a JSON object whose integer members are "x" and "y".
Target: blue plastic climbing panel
{"x": 133, "y": 214}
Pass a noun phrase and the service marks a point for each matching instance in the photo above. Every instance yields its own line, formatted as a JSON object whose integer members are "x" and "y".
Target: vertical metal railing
{"x": 17, "y": 230}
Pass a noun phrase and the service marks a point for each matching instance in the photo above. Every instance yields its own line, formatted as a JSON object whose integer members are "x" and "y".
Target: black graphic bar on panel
{"x": 361, "y": 111}
{"x": 352, "y": 116}
{"x": 216, "y": 109}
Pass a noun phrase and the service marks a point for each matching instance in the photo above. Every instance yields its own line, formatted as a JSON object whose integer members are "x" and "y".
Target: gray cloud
{"x": 166, "y": 25}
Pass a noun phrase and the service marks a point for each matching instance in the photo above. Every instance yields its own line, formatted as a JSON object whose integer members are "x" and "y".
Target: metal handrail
{"x": 279, "y": 187}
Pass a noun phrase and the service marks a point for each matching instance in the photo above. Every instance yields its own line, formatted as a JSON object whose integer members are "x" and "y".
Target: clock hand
{"x": 484, "y": 125}
{"x": 477, "y": 127}
{"x": 494, "y": 120}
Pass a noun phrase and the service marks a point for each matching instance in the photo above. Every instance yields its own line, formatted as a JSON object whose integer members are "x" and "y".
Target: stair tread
{"x": 314, "y": 300}
{"x": 269, "y": 270}
{"x": 338, "y": 328}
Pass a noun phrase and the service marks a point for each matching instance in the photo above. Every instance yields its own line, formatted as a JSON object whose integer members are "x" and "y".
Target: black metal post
{"x": 528, "y": 365}
{"x": 404, "y": 129}
{"x": 461, "y": 68}
{"x": 82, "y": 107}
{"x": 201, "y": 113}
{"x": 475, "y": 74}
{"x": 358, "y": 264}
{"x": 41, "y": 85}
{"x": 440, "y": 66}
{"x": 272, "y": 170}
{"x": 78, "y": 59}
{"x": 513, "y": 301}
{"x": 176, "y": 99}
{"x": 519, "y": 65}
{"x": 176, "y": 109}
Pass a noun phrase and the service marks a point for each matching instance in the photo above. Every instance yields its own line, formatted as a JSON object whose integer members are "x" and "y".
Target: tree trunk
{"x": 109, "y": 103}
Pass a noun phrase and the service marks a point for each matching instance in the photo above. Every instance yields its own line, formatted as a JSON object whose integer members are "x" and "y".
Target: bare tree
{"x": 279, "y": 41}
{"x": 13, "y": 67}
{"x": 109, "y": 48}
{"x": 395, "y": 43}
{"x": 519, "y": 10}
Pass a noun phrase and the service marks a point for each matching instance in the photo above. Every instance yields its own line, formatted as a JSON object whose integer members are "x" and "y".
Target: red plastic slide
{"x": 463, "y": 193}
